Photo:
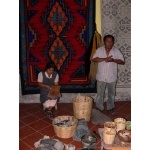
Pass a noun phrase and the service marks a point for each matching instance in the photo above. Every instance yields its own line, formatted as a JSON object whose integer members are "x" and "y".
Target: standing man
{"x": 107, "y": 57}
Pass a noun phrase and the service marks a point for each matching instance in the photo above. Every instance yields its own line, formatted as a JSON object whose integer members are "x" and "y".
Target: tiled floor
{"x": 34, "y": 124}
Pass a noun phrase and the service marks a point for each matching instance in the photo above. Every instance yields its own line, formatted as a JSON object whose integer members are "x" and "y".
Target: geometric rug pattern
{"x": 58, "y": 30}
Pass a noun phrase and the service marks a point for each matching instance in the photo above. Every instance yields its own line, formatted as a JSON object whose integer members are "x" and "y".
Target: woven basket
{"x": 82, "y": 107}
{"x": 65, "y": 132}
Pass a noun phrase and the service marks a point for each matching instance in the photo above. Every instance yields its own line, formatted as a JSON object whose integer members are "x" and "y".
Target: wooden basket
{"x": 82, "y": 107}
{"x": 65, "y": 132}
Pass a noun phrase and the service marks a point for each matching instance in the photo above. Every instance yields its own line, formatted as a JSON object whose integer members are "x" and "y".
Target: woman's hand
{"x": 50, "y": 88}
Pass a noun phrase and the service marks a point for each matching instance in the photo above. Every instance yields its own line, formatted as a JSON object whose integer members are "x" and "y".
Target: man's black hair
{"x": 107, "y": 36}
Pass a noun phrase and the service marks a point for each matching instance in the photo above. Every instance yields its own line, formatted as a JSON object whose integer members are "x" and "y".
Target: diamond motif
{"x": 58, "y": 52}
{"x": 57, "y": 18}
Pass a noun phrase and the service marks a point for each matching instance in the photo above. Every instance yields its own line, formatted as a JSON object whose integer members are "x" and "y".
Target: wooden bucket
{"x": 120, "y": 123}
{"x": 65, "y": 132}
{"x": 82, "y": 107}
{"x": 109, "y": 136}
{"x": 109, "y": 125}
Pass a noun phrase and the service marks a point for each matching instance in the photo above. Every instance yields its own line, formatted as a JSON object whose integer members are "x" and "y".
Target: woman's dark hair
{"x": 109, "y": 36}
{"x": 50, "y": 65}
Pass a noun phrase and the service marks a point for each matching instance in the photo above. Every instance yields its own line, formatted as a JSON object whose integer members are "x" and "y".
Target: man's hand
{"x": 109, "y": 59}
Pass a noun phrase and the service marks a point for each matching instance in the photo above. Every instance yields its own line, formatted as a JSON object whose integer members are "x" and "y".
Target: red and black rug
{"x": 60, "y": 30}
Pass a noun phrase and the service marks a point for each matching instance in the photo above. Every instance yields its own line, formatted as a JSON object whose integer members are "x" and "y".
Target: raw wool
{"x": 69, "y": 147}
{"x": 98, "y": 117}
{"x": 64, "y": 123}
{"x": 81, "y": 130}
{"x": 59, "y": 145}
{"x": 47, "y": 148}
{"x": 63, "y": 131}
{"x": 48, "y": 143}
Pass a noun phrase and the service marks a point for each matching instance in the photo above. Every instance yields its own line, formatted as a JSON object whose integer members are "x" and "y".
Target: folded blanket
{"x": 98, "y": 117}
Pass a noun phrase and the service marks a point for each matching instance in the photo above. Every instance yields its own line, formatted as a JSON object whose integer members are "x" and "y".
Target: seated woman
{"x": 47, "y": 79}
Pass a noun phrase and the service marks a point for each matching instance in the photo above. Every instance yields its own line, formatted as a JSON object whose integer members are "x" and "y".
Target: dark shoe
{"x": 49, "y": 113}
{"x": 111, "y": 111}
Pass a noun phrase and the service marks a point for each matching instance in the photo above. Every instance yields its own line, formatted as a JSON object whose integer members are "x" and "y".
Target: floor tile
{"x": 34, "y": 123}
{"x": 29, "y": 119}
{"x": 40, "y": 114}
{"x": 77, "y": 144}
{"x": 23, "y": 113}
{"x": 21, "y": 124}
{"x": 47, "y": 119}
{"x": 38, "y": 125}
{"x": 33, "y": 110}
{"x": 64, "y": 113}
{"x": 31, "y": 139}
{"x": 25, "y": 131}
{"x": 23, "y": 146}
{"x": 49, "y": 131}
